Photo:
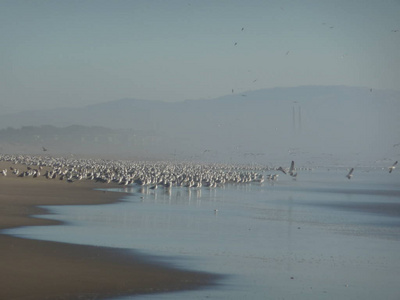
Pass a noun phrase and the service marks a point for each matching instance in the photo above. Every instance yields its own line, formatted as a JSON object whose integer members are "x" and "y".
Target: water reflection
{"x": 176, "y": 196}
{"x": 312, "y": 230}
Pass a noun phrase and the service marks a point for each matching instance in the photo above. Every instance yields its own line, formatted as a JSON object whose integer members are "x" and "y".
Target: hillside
{"x": 308, "y": 121}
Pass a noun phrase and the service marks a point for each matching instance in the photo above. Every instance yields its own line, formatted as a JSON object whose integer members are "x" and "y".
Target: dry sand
{"x": 31, "y": 269}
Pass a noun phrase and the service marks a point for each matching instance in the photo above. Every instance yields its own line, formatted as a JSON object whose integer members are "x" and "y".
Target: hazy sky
{"x": 71, "y": 53}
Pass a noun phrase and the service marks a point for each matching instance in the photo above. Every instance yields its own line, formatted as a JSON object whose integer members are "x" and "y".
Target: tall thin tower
{"x": 299, "y": 119}
{"x": 294, "y": 120}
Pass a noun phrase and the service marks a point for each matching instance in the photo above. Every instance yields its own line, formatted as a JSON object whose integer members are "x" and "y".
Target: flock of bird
{"x": 146, "y": 173}
{"x": 152, "y": 174}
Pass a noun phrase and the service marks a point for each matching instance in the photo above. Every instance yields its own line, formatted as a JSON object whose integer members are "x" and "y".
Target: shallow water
{"x": 321, "y": 236}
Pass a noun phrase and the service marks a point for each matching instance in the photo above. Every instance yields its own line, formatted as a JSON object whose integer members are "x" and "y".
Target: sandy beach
{"x": 32, "y": 269}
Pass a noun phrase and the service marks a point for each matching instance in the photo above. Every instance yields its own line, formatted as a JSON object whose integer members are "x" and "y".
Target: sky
{"x": 74, "y": 53}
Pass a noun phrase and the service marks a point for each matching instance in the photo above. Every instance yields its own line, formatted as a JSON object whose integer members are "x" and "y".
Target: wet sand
{"x": 32, "y": 269}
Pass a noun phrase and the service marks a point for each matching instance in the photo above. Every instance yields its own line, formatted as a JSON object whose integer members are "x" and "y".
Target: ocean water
{"x": 320, "y": 236}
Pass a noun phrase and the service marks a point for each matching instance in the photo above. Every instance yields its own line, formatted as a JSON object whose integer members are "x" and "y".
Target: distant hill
{"x": 307, "y": 121}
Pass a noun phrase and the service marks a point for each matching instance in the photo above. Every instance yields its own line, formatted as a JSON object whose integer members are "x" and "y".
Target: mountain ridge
{"x": 320, "y": 119}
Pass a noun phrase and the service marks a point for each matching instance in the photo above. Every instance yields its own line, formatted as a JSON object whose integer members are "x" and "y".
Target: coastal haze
{"x": 231, "y": 81}
{"x": 184, "y": 117}
{"x": 313, "y": 124}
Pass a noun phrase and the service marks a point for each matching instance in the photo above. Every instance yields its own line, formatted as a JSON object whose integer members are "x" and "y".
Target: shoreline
{"x": 34, "y": 269}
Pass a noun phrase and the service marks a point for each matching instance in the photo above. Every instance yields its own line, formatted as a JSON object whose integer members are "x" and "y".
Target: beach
{"x": 316, "y": 236}
{"x": 33, "y": 269}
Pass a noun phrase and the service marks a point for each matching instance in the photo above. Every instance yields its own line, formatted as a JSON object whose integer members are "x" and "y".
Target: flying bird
{"x": 350, "y": 173}
{"x": 44, "y": 149}
{"x": 292, "y": 170}
{"x": 391, "y": 168}
{"x": 281, "y": 169}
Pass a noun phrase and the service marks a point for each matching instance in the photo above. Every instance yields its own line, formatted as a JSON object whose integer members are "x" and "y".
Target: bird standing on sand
{"x": 391, "y": 168}
{"x": 350, "y": 173}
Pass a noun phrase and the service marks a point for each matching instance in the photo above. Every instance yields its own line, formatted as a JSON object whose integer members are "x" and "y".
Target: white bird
{"x": 275, "y": 177}
{"x": 391, "y": 168}
{"x": 350, "y": 173}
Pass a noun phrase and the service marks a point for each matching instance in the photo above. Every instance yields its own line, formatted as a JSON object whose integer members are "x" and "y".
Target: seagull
{"x": 292, "y": 170}
{"x": 44, "y": 149}
{"x": 350, "y": 173}
{"x": 391, "y": 168}
{"x": 281, "y": 169}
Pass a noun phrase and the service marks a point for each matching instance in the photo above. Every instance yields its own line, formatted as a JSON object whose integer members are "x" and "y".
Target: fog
{"x": 328, "y": 125}
{"x": 268, "y": 81}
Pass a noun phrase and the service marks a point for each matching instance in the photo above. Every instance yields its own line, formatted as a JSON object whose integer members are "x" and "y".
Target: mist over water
{"x": 268, "y": 80}
{"x": 313, "y": 125}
